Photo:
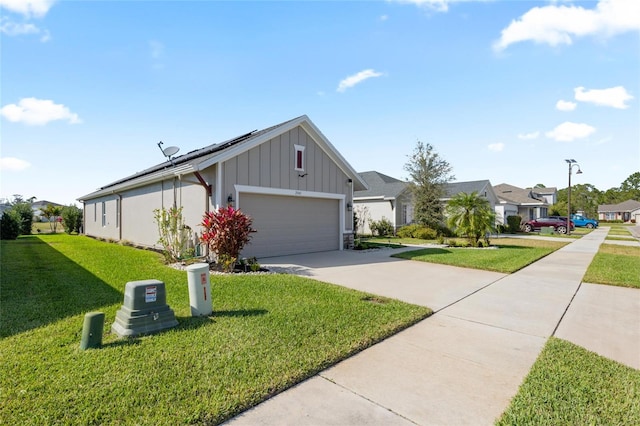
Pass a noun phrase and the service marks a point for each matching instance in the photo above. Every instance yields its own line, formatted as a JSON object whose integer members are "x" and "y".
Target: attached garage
{"x": 291, "y": 224}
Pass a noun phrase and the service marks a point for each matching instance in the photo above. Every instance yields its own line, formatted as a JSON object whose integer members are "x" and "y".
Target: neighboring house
{"x": 481, "y": 187}
{"x": 386, "y": 197}
{"x": 626, "y": 211}
{"x": 289, "y": 178}
{"x": 38, "y": 206}
{"x": 529, "y": 203}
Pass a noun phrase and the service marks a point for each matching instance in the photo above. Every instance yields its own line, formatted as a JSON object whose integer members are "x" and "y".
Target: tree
{"x": 51, "y": 213}
{"x": 470, "y": 215}
{"x": 631, "y": 186}
{"x": 428, "y": 174}
{"x": 71, "y": 219}
{"x": 25, "y": 212}
{"x": 9, "y": 225}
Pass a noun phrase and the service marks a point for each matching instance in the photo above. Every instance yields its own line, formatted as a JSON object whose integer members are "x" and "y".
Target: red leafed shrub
{"x": 226, "y": 232}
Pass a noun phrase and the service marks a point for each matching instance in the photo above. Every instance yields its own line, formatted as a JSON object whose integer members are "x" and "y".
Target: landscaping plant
{"x": 174, "y": 234}
{"x": 471, "y": 216}
{"x": 71, "y": 219}
{"x": 226, "y": 232}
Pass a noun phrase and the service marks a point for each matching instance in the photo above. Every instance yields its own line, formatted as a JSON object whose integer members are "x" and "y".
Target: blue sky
{"x": 504, "y": 90}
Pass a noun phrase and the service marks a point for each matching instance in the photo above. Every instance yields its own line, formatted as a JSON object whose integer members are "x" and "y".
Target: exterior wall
{"x": 374, "y": 210}
{"x": 137, "y": 222}
{"x": 503, "y": 211}
{"x": 271, "y": 165}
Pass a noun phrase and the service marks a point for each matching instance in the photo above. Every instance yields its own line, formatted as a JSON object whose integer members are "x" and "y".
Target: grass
{"x": 615, "y": 265}
{"x": 569, "y": 385}
{"x": 267, "y": 333}
{"x": 512, "y": 254}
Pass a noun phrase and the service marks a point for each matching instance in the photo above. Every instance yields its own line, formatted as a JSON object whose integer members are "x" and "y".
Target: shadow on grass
{"x": 41, "y": 286}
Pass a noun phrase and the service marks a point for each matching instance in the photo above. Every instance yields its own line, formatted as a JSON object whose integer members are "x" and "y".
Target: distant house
{"x": 528, "y": 203}
{"x": 289, "y": 178}
{"x": 386, "y": 197}
{"x": 39, "y": 206}
{"x": 627, "y": 211}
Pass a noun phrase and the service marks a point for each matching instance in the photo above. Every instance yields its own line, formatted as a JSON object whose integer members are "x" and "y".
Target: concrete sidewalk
{"x": 463, "y": 364}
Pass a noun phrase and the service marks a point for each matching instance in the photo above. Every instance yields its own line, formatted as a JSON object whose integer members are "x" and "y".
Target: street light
{"x": 572, "y": 163}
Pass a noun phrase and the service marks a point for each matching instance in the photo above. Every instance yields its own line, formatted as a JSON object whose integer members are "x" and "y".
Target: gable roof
{"x": 451, "y": 189}
{"x": 202, "y": 158}
{"x": 515, "y": 195}
{"x": 380, "y": 186}
{"x": 625, "y": 206}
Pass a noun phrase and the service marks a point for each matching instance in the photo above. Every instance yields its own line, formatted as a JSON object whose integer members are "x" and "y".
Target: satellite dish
{"x": 170, "y": 150}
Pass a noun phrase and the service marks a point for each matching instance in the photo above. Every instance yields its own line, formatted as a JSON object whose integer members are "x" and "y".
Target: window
{"x": 104, "y": 214}
{"x": 95, "y": 212}
{"x": 117, "y": 212}
{"x": 299, "y": 158}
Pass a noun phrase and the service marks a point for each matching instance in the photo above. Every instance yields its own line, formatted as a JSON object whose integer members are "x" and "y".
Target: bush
{"x": 226, "y": 232}
{"x": 25, "y": 214}
{"x": 513, "y": 224}
{"x": 408, "y": 231}
{"x": 9, "y": 225}
{"x": 382, "y": 227}
{"x": 71, "y": 219}
{"x": 501, "y": 229}
{"x": 174, "y": 234}
{"x": 425, "y": 233}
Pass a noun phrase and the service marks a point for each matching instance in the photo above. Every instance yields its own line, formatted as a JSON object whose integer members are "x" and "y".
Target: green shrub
{"x": 71, "y": 219}
{"x": 9, "y": 225}
{"x": 174, "y": 234}
{"x": 425, "y": 233}
{"x": 501, "y": 229}
{"x": 408, "y": 231}
{"x": 25, "y": 213}
{"x": 382, "y": 227}
{"x": 513, "y": 224}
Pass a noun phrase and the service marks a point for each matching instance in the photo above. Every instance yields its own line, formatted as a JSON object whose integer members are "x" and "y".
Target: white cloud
{"x": 437, "y": 5}
{"x": 556, "y": 25}
{"x": 384, "y": 17}
{"x": 568, "y": 131}
{"x": 614, "y": 97}
{"x": 566, "y": 105}
{"x": 157, "y": 49}
{"x": 354, "y": 79}
{"x": 28, "y": 8}
{"x": 37, "y": 112}
{"x": 496, "y": 147}
{"x": 13, "y": 164}
{"x": 528, "y": 136}
{"x": 12, "y": 29}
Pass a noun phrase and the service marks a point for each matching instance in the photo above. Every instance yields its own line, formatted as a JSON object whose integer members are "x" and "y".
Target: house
{"x": 627, "y": 211}
{"x": 386, "y": 197}
{"x": 529, "y": 203}
{"x": 392, "y": 199}
{"x": 289, "y": 178}
{"x": 39, "y": 206}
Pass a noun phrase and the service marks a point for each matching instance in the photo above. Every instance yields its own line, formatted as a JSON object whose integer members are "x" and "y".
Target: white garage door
{"x": 291, "y": 225}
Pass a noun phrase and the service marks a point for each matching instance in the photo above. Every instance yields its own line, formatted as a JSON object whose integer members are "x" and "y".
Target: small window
{"x": 95, "y": 212}
{"x": 104, "y": 214}
{"x": 299, "y": 158}
{"x": 117, "y": 213}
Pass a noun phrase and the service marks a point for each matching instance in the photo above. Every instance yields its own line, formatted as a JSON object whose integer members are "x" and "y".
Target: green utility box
{"x": 547, "y": 230}
{"x": 145, "y": 310}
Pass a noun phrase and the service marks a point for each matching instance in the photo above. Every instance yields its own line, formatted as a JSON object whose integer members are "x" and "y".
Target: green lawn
{"x": 511, "y": 255}
{"x": 615, "y": 265}
{"x": 267, "y": 333}
{"x": 569, "y": 385}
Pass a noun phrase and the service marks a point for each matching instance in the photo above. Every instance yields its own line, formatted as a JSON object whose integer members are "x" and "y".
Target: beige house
{"x": 627, "y": 211}
{"x": 528, "y": 203}
{"x": 385, "y": 198}
{"x": 289, "y": 178}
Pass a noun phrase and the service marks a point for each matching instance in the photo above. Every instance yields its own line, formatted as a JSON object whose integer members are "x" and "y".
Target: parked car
{"x": 559, "y": 224}
{"x": 581, "y": 221}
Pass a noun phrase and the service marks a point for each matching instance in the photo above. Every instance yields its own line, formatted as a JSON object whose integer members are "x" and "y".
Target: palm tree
{"x": 470, "y": 215}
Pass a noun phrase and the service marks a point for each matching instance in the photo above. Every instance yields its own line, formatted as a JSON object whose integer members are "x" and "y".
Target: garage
{"x": 291, "y": 225}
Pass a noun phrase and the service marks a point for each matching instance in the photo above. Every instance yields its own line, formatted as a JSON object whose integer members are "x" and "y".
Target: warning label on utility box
{"x": 203, "y": 278}
{"x": 150, "y": 294}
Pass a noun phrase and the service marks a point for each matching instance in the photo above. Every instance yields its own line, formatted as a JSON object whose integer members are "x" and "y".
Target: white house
{"x": 529, "y": 203}
{"x": 289, "y": 178}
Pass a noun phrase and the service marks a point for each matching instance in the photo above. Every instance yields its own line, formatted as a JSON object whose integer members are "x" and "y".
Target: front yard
{"x": 267, "y": 333}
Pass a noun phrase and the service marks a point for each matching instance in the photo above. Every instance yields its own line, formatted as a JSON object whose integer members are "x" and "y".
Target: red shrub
{"x": 226, "y": 232}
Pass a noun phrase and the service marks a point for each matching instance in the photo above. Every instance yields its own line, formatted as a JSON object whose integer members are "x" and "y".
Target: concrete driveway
{"x": 420, "y": 283}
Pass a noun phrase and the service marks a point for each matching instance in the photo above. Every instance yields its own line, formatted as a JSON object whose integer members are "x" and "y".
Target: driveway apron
{"x": 462, "y": 365}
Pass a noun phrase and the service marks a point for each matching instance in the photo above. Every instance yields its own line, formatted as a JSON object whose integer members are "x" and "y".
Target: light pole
{"x": 572, "y": 163}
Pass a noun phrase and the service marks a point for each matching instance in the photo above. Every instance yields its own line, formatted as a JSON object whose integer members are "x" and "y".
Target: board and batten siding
{"x": 271, "y": 165}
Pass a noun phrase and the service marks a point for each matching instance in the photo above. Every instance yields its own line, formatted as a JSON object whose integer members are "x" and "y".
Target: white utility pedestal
{"x": 199, "y": 289}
